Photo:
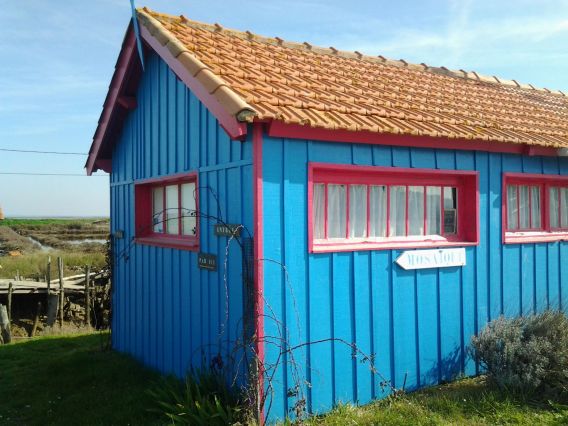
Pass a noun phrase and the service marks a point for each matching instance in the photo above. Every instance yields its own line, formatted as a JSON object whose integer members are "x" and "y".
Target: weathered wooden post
{"x": 61, "y": 291}
{"x": 10, "y": 292}
{"x": 36, "y": 320}
{"x": 88, "y": 296}
{"x": 48, "y": 281}
{"x": 5, "y": 332}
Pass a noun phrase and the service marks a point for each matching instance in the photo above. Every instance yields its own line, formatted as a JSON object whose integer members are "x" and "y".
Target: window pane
{"x": 357, "y": 211}
{"x": 319, "y": 211}
{"x": 158, "y": 209}
{"x": 512, "y": 207}
{"x": 553, "y": 193}
{"x": 564, "y": 207}
{"x": 433, "y": 204}
{"x": 336, "y": 211}
{"x": 450, "y": 210}
{"x": 378, "y": 211}
{"x": 172, "y": 209}
{"x": 415, "y": 210}
{"x": 524, "y": 207}
{"x": 535, "y": 207}
{"x": 188, "y": 210}
{"x": 397, "y": 213}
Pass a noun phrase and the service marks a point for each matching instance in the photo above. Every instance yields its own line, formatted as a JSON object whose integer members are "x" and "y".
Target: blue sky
{"x": 57, "y": 59}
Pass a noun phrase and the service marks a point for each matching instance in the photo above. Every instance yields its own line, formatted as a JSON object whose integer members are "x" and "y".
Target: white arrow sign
{"x": 436, "y": 258}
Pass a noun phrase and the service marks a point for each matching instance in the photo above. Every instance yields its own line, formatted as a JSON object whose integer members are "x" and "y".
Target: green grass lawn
{"x": 71, "y": 381}
{"x": 465, "y": 402}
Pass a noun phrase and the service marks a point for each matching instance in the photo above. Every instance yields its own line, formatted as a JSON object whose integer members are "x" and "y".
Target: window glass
{"x": 378, "y": 211}
{"x": 188, "y": 209}
{"x": 564, "y": 207}
{"x": 535, "y": 207}
{"x": 336, "y": 211}
{"x": 512, "y": 207}
{"x": 172, "y": 210}
{"x": 357, "y": 211}
{"x": 553, "y": 207}
{"x": 450, "y": 210}
{"x": 415, "y": 210}
{"x": 158, "y": 209}
{"x": 319, "y": 211}
{"x": 397, "y": 213}
{"x": 433, "y": 209}
{"x": 524, "y": 222}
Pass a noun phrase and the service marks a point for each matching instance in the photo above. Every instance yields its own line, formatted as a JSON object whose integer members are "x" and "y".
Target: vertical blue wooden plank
{"x": 381, "y": 271}
{"x": 540, "y": 277}
{"x": 203, "y": 136}
{"x": 182, "y": 117}
{"x": 363, "y": 303}
{"x": 563, "y": 291}
{"x": 422, "y": 158}
{"x": 213, "y": 276}
{"x": 321, "y": 354}
{"x": 450, "y": 323}
{"x": 445, "y": 159}
{"x": 494, "y": 228}
{"x": 224, "y": 143}
{"x": 427, "y": 306}
{"x": 168, "y": 309}
{"x": 465, "y": 160}
{"x": 362, "y": 155}
{"x": 527, "y": 279}
{"x": 382, "y": 156}
{"x": 163, "y": 141}
{"x": 275, "y": 323}
{"x": 147, "y": 329}
{"x": 468, "y": 309}
{"x": 211, "y": 140}
{"x": 553, "y": 280}
{"x": 295, "y": 242}
{"x": 512, "y": 302}
{"x": 171, "y": 111}
{"x": 194, "y": 132}
{"x": 404, "y": 323}
{"x": 400, "y": 156}
{"x": 342, "y": 315}
{"x": 482, "y": 252}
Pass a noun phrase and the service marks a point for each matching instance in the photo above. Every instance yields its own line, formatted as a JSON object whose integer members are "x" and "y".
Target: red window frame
{"x": 533, "y": 235}
{"x": 143, "y": 202}
{"x": 466, "y": 182}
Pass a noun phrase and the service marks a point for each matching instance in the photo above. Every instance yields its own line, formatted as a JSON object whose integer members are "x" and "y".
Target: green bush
{"x": 204, "y": 398}
{"x": 526, "y": 354}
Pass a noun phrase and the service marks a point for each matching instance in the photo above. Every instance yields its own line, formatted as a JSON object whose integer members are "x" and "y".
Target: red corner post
{"x": 258, "y": 255}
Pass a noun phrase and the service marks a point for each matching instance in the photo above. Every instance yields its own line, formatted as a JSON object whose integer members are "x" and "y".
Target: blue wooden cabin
{"x": 346, "y": 221}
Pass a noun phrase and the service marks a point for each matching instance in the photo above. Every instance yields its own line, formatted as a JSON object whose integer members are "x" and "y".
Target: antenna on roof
{"x": 137, "y": 33}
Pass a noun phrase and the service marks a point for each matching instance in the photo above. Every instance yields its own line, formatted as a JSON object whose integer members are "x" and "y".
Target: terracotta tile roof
{"x": 257, "y": 77}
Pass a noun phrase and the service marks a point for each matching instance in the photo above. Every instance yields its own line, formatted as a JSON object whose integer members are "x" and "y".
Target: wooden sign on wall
{"x": 435, "y": 258}
{"x": 207, "y": 261}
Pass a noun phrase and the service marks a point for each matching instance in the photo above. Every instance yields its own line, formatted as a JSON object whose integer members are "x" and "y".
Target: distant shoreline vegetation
{"x": 57, "y": 217}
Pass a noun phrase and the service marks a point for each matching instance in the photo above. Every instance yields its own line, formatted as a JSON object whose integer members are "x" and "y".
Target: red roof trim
{"x": 279, "y": 129}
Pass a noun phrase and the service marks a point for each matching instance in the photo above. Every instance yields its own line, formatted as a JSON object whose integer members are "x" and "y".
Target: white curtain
{"x": 524, "y": 218}
{"x": 433, "y": 210}
{"x": 512, "y": 207}
{"x": 397, "y": 213}
{"x": 357, "y": 211}
{"x": 553, "y": 196}
{"x": 188, "y": 209}
{"x": 336, "y": 211}
{"x": 172, "y": 211}
{"x": 158, "y": 209}
{"x": 318, "y": 211}
{"x": 535, "y": 207}
{"x": 378, "y": 211}
{"x": 415, "y": 210}
{"x": 564, "y": 207}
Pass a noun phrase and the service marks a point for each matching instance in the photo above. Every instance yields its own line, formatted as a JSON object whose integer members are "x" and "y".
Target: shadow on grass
{"x": 70, "y": 380}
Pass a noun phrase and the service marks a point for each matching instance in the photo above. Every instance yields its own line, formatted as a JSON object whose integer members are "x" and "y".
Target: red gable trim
{"x": 123, "y": 65}
{"x": 279, "y": 129}
{"x": 117, "y": 101}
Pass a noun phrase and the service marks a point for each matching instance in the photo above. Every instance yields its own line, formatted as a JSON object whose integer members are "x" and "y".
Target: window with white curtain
{"x": 375, "y": 212}
{"x": 174, "y": 210}
{"x": 536, "y": 207}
